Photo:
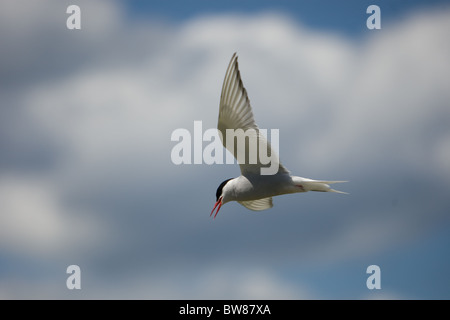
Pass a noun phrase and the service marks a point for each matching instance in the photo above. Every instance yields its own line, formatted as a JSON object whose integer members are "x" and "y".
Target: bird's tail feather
{"x": 322, "y": 186}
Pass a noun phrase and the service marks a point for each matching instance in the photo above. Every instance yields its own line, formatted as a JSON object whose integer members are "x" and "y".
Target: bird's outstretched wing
{"x": 236, "y": 113}
{"x": 258, "y": 205}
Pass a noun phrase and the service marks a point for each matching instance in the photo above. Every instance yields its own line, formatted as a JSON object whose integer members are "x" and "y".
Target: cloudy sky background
{"x": 86, "y": 176}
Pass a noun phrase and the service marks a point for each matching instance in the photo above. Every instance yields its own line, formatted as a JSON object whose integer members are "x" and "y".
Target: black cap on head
{"x": 219, "y": 189}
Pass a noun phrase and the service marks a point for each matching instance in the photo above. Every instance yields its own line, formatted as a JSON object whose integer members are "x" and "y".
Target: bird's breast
{"x": 258, "y": 187}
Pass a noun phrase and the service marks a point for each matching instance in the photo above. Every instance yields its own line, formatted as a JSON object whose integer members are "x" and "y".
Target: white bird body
{"x": 253, "y": 189}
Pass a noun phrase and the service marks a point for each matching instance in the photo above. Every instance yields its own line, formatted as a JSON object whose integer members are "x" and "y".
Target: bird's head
{"x": 222, "y": 196}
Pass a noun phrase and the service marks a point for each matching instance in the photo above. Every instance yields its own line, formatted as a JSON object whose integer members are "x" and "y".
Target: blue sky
{"x": 342, "y": 17}
{"x": 86, "y": 176}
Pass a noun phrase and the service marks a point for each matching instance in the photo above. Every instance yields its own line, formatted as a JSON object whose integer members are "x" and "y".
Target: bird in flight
{"x": 252, "y": 189}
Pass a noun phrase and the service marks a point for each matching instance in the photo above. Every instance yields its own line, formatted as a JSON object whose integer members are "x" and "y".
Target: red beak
{"x": 218, "y": 205}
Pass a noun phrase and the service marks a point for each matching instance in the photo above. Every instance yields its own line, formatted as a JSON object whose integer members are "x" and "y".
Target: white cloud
{"x": 215, "y": 282}
{"x": 380, "y": 98}
{"x": 257, "y": 283}
{"x": 209, "y": 284}
{"x": 34, "y": 220}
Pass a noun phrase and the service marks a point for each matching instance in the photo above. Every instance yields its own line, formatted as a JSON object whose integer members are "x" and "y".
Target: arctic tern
{"x": 253, "y": 189}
